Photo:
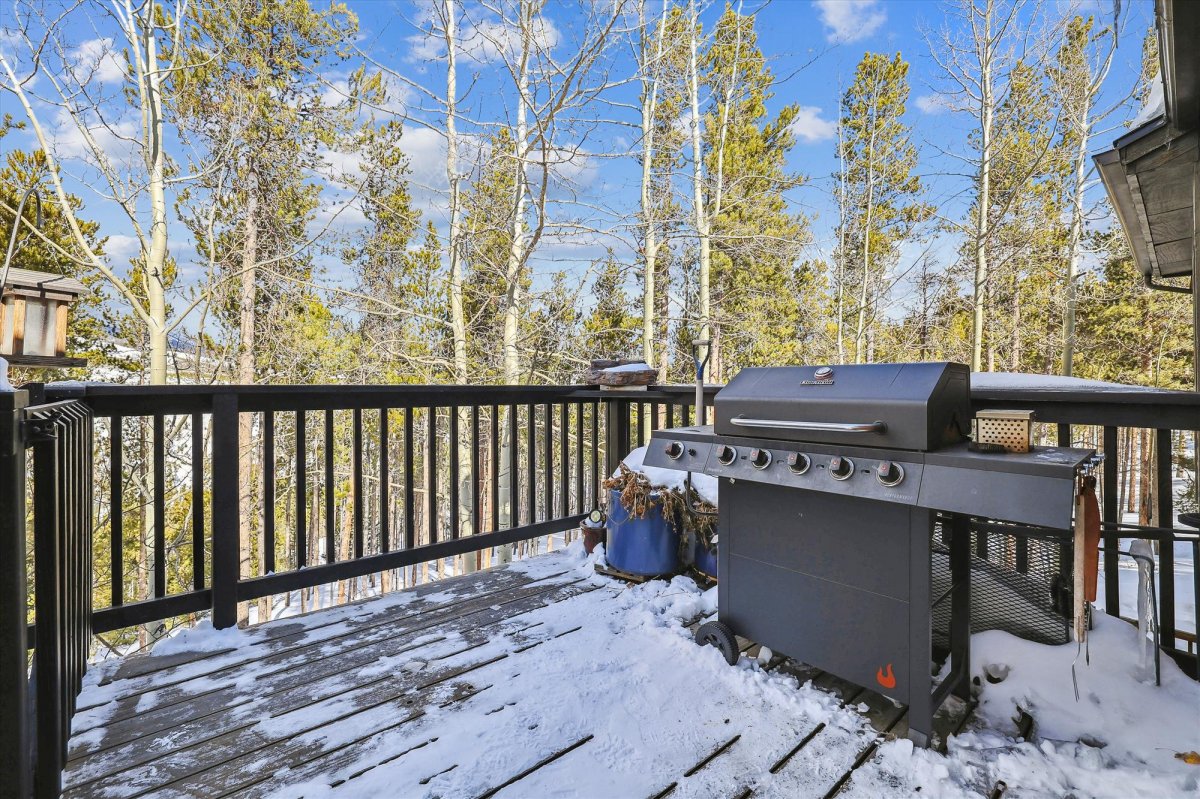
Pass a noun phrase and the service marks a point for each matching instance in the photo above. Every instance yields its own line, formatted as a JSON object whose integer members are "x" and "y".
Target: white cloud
{"x": 484, "y": 41}
{"x": 850, "y": 20}
{"x": 120, "y": 248}
{"x": 809, "y": 126}
{"x": 95, "y": 61}
{"x": 932, "y": 104}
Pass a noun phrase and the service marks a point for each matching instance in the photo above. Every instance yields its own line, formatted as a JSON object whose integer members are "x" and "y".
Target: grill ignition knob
{"x": 674, "y": 450}
{"x": 760, "y": 458}
{"x": 889, "y": 474}
{"x": 726, "y": 454}
{"x": 798, "y": 462}
{"x": 841, "y": 468}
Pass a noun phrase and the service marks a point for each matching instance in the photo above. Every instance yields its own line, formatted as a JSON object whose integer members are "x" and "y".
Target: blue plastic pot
{"x": 645, "y": 547}
{"x": 704, "y": 560}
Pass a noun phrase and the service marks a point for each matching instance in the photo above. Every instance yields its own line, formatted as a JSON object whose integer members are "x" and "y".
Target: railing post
{"x": 616, "y": 432}
{"x": 225, "y": 509}
{"x": 48, "y": 620}
{"x": 15, "y": 748}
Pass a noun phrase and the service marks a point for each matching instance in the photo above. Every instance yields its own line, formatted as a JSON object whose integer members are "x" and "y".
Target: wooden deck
{"x": 307, "y": 706}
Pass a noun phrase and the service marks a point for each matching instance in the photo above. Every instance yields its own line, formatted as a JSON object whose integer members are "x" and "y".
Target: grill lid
{"x": 916, "y": 406}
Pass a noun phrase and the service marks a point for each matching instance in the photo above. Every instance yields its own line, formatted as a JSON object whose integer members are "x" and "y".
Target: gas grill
{"x": 839, "y": 490}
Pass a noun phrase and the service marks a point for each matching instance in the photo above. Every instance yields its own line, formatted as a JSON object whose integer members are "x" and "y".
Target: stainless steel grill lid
{"x": 915, "y": 406}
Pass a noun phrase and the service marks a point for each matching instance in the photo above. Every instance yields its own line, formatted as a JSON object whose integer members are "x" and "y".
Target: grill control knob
{"x": 674, "y": 450}
{"x": 841, "y": 468}
{"x": 726, "y": 454}
{"x": 889, "y": 474}
{"x": 798, "y": 462}
{"x": 760, "y": 458}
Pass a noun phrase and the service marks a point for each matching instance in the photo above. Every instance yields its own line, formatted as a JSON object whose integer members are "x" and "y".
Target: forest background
{"x": 273, "y": 191}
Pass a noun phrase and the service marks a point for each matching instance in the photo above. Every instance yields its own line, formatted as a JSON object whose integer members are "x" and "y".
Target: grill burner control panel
{"x": 813, "y": 467}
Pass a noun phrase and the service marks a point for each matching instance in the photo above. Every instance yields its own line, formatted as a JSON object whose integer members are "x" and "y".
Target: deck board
{"x": 317, "y": 703}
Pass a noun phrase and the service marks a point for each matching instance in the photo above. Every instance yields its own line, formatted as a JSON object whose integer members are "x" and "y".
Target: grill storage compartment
{"x": 1021, "y": 581}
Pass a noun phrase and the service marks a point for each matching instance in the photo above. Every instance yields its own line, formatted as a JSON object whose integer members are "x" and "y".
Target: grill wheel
{"x": 718, "y": 634}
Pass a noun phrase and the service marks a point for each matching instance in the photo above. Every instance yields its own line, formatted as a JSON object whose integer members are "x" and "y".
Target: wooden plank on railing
{"x": 564, "y": 461}
{"x": 547, "y": 461}
{"x": 356, "y": 483}
{"x": 530, "y": 467}
{"x": 580, "y": 499}
{"x": 476, "y": 492}
{"x": 495, "y": 467}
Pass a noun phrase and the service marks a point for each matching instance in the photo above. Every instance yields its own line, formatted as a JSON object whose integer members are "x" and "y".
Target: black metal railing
{"x": 1102, "y": 419}
{"x": 55, "y": 442}
{"x": 338, "y": 483}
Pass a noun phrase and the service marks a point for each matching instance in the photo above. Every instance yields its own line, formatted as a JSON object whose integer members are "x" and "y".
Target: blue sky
{"x": 812, "y": 47}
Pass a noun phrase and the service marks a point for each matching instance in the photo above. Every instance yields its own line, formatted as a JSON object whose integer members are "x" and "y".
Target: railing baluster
{"x": 547, "y": 461}
{"x": 1166, "y": 552}
{"x": 1112, "y": 580}
{"x": 356, "y": 460}
{"x": 116, "y": 509}
{"x": 595, "y": 441}
{"x": 476, "y": 499}
{"x": 197, "y": 470}
{"x": 330, "y": 520}
{"x": 268, "y": 492}
{"x": 580, "y": 500}
{"x": 384, "y": 477}
{"x": 454, "y": 475}
{"x": 531, "y": 466}
{"x": 431, "y": 487}
{"x": 495, "y": 467}
{"x": 564, "y": 462}
{"x": 514, "y": 484}
{"x": 301, "y": 491}
{"x": 410, "y": 516}
{"x": 160, "y": 509}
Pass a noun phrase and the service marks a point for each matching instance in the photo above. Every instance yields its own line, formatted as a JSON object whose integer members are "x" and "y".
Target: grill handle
{"x": 825, "y": 427}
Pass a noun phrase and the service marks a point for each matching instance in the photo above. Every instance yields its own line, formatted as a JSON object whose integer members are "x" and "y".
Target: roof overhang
{"x": 1152, "y": 174}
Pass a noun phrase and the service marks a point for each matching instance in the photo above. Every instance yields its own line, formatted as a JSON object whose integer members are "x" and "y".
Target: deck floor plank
{"x": 168, "y": 756}
{"x": 279, "y": 661}
{"x": 327, "y": 697}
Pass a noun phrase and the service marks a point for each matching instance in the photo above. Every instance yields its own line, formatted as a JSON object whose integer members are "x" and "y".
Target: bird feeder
{"x": 34, "y": 314}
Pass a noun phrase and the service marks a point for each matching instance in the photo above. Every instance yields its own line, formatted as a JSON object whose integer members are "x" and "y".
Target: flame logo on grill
{"x": 886, "y": 678}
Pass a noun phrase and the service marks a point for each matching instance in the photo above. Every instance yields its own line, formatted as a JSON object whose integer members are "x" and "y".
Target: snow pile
{"x": 1155, "y": 106}
{"x": 201, "y": 638}
{"x": 1132, "y": 721}
{"x": 705, "y": 485}
{"x": 627, "y": 367}
{"x": 1030, "y": 382}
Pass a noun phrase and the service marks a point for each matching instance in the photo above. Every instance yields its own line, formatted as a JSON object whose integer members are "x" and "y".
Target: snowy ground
{"x": 616, "y": 672}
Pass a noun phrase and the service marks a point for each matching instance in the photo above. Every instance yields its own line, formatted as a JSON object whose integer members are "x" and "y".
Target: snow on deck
{"x": 544, "y": 679}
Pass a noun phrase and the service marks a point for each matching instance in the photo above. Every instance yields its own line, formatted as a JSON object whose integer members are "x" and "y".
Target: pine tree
{"x": 756, "y": 238}
{"x": 882, "y": 206}
{"x": 610, "y": 329}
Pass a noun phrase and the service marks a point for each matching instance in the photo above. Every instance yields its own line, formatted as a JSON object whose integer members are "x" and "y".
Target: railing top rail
{"x": 1133, "y": 395}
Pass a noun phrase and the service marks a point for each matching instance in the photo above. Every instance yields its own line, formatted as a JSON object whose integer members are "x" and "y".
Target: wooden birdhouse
{"x": 34, "y": 315}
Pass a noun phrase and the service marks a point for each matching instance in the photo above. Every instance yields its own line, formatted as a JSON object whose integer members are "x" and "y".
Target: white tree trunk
{"x": 701, "y": 214}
